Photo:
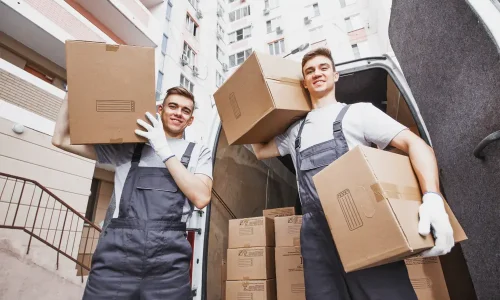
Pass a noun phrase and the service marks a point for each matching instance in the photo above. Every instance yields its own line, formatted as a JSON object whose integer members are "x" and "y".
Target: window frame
{"x": 246, "y": 53}
{"x": 190, "y": 53}
{"x": 281, "y": 45}
{"x": 168, "y": 14}
{"x": 190, "y": 85}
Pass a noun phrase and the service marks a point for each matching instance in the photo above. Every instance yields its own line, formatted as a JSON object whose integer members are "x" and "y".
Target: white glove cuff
{"x": 164, "y": 153}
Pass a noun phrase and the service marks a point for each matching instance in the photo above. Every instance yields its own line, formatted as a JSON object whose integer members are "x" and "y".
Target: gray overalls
{"x": 144, "y": 254}
{"x": 325, "y": 278}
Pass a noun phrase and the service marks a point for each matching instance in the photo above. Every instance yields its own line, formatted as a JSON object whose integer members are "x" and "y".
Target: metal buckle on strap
{"x": 297, "y": 143}
{"x": 337, "y": 126}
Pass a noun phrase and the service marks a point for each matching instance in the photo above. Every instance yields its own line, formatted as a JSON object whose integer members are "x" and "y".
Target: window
{"x": 238, "y": 58}
{"x": 220, "y": 10}
{"x": 191, "y": 55}
{"x": 355, "y": 50}
{"x": 312, "y": 10}
{"x": 191, "y": 25}
{"x": 164, "y": 44}
{"x": 219, "y": 54}
{"x": 169, "y": 10}
{"x": 353, "y": 23}
{"x": 159, "y": 81}
{"x": 186, "y": 83}
{"x": 316, "y": 34}
{"x": 344, "y": 3}
{"x": 277, "y": 47}
{"x": 272, "y": 24}
{"x": 194, "y": 3}
{"x": 240, "y": 34}
{"x": 239, "y": 13}
{"x": 220, "y": 30}
{"x": 270, "y": 4}
{"x": 219, "y": 80}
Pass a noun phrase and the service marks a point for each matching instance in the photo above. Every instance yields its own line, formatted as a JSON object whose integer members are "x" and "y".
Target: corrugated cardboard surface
{"x": 250, "y": 263}
{"x": 427, "y": 278}
{"x": 223, "y": 277}
{"x": 289, "y": 274}
{"x": 397, "y": 107}
{"x": 278, "y": 212}
{"x": 261, "y": 99}
{"x": 251, "y": 290}
{"x": 372, "y": 209}
{"x": 287, "y": 231}
{"x": 109, "y": 88}
{"x": 251, "y": 232}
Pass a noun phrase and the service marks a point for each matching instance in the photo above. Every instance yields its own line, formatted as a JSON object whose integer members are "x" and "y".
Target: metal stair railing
{"x": 27, "y": 205}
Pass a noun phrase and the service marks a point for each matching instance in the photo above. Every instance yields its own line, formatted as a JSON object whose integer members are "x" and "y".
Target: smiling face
{"x": 319, "y": 76}
{"x": 176, "y": 114}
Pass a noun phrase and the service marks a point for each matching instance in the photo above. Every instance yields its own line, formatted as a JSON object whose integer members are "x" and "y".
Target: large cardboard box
{"x": 427, "y": 278}
{"x": 251, "y": 232}
{"x": 278, "y": 212}
{"x": 251, "y": 290}
{"x": 289, "y": 274}
{"x": 371, "y": 199}
{"x": 287, "y": 231}
{"x": 250, "y": 263}
{"x": 223, "y": 277}
{"x": 109, "y": 88}
{"x": 261, "y": 99}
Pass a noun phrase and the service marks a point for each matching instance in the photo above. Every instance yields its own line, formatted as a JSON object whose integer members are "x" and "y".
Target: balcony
{"x": 45, "y": 25}
{"x": 130, "y": 20}
{"x": 40, "y": 100}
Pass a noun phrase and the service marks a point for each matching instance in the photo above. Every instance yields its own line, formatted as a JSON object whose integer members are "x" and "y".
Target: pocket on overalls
{"x": 109, "y": 256}
{"x": 158, "y": 192}
{"x": 168, "y": 252}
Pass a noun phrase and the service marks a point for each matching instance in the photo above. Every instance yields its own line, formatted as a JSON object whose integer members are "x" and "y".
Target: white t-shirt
{"x": 120, "y": 156}
{"x": 363, "y": 124}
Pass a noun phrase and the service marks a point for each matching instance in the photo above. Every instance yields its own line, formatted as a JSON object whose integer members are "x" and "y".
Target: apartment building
{"x": 350, "y": 28}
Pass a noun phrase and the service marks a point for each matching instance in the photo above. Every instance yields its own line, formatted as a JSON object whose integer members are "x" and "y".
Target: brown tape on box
{"x": 384, "y": 190}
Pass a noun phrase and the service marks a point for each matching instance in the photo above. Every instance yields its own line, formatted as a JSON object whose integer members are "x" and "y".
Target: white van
{"x": 449, "y": 53}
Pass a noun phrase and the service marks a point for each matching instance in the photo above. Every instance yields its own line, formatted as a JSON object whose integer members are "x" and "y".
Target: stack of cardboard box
{"x": 289, "y": 263}
{"x": 250, "y": 259}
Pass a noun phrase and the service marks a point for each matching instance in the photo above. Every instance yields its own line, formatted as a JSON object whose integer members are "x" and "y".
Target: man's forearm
{"x": 424, "y": 163}
{"x": 190, "y": 184}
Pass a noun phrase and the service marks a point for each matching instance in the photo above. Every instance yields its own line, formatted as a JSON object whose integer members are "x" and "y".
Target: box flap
{"x": 277, "y": 68}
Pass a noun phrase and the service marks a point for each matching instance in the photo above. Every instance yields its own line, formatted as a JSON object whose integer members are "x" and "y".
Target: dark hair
{"x": 318, "y": 52}
{"x": 179, "y": 90}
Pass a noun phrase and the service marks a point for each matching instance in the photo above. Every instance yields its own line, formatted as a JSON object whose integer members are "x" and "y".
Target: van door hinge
{"x": 197, "y": 230}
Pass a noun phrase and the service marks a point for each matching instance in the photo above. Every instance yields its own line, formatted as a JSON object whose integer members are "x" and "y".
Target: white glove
{"x": 156, "y": 136}
{"x": 432, "y": 213}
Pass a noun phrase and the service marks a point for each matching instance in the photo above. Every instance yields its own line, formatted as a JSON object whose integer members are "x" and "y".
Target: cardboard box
{"x": 251, "y": 232}
{"x": 427, "y": 278}
{"x": 251, "y": 290}
{"x": 223, "y": 277}
{"x": 372, "y": 208}
{"x": 250, "y": 263}
{"x": 397, "y": 107}
{"x": 290, "y": 274}
{"x": 261, "y": 99}
{"x": 278, "y": 212}
{"x": 287, "y": 231}
{"x": 109, "y": 88}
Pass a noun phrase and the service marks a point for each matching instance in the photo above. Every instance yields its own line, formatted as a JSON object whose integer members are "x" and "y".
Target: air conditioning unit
{"x": 195, "y": 71}
{"x": 279, "y": 30}
{"x": 307, "y": 20}
{"x": 184, "y": 59}
{"x": 219, "y": 36}
{"x": 199, "y": 15}
{"x": 224, "y": 67}
{"x": 220, "y": 13}
{"x": 266, "y": 11}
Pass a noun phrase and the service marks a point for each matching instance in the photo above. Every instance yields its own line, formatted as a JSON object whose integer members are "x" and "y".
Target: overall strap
{"x": 136, "y": 157}
{"x": 186, "y": 157}
{"x": 298, "y": 139}
{"x": 337, "y": 125}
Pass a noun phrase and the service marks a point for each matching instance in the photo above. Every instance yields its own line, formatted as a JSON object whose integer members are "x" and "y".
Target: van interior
{"x": 244, "y": 186}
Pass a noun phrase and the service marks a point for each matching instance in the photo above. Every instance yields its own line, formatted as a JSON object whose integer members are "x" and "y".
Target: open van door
{"x": 448, "y": 51}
